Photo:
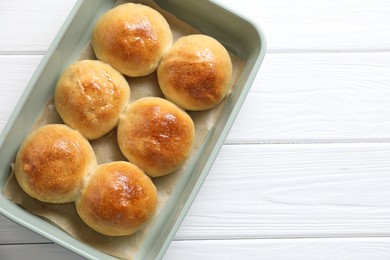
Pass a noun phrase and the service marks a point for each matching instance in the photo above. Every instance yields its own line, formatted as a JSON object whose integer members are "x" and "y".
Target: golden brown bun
{"x": 196, "y": 72}
{"x": 52, "y": 163}
{"x": 156, "y": 135}
{"x": 90, "y": 96}
{"x": 117, "y": 199}
{"x": 132, "y": 38}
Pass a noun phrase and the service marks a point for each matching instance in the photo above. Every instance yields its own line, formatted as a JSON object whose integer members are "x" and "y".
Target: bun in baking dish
{"x": 90, "y": 96}
{"x": 132, "y": 38}
{"x": 52, "y": 163}
{"x": 117, "y": 199}
{"x": 196, "y": 73}
{"x": 156, "y": 135}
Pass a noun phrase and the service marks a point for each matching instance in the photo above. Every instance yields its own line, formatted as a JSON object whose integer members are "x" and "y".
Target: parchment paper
{"x": 107, "y": 150}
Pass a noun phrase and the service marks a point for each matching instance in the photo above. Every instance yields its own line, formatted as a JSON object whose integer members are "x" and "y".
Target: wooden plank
{"x": 270, "y": 249}
{"x": 13, "y": 233}
{"x": 300, "y": 25}
{"x": 321, "y": 97}
{"x": 36, "y": 251}
{"x": 15, "y": 73}
{"x": 329, "y": 25}
{"x": 285, "y": 191}
{"x": 34, "y": 24}
{"x": 282, "y": 249}
{"x": 296, "y": 190}
{"x": 295, "y": 98}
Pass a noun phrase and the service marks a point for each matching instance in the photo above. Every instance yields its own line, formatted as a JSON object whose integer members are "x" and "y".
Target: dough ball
{"x": 117, "y": 199}
{"x": 90, "y": 96}
{"x": 132, "y": 38}
{"x": 196, "y": 73}
{"x": 156, "y": 135}
{"x": 52, "y": 163}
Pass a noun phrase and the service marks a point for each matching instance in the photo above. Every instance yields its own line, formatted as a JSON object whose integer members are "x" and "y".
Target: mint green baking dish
{"x": 239, "y": 36}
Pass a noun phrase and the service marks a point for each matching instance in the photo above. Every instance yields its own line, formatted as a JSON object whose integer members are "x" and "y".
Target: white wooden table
{"x": 305, "y": 171}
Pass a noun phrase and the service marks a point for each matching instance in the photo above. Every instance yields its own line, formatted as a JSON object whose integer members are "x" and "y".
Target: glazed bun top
{"x": 132, "y": 38}
{"x": 52, "y": 163}
{"x": 196, "y": 73}
{"x": 117, "y": 199}
{"x": 90, "y": 96}
{"x": 156, "y": 135}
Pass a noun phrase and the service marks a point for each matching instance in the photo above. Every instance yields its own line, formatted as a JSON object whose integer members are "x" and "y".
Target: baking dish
{"x": 239, "y": 36}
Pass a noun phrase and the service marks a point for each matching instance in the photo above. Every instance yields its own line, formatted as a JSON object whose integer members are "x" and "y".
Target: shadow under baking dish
{"x": 239, "y": 36}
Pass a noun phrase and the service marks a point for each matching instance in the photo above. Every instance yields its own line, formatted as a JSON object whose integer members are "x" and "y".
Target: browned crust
{"x": 156, "y": 135}
{"x": 90, "y": 96}
{"x": 118, "y": 199}
{"x": 132, "y": 38}
{"x": 52, "y": 163}
{"x": 196, "y": 72}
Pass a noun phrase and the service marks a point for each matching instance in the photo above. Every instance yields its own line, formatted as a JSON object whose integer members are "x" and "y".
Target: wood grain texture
{"x": 313, "y": 26}
{"x": 321, "y": 97}
{"x": 305, "y": 171}
{"x": 286, "y": 190}
{"x": 338, "y": 97}
{"x": 294, "y": 190}
{"x": 34, "y": 24}
{"x": 301, "y": 25}
{"x": 15, "y": 73}
{"x": 271, "y": 249}
{"x": 36, "y": 251}
{"x": 282, "y": 249}
{"x": 13, "y": 233}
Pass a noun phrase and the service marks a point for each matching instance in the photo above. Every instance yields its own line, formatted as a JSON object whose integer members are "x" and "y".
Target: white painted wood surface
{"x": 305, "y": 171}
